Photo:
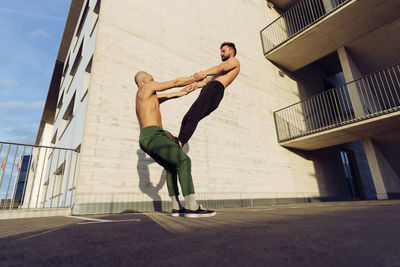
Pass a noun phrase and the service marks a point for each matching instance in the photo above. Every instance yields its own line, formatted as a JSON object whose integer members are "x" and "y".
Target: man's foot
{"x": 200, "y": 212}
{"x": 179, "y": 142}
{"x": 178, "y": 213}
{"x": 176, "y": 140}
{"x": 173, "y": 139}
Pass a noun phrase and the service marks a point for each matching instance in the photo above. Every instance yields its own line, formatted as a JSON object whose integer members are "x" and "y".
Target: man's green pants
{"x": 168, "y": 154}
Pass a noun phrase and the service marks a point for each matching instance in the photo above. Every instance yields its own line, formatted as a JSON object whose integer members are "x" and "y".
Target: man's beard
{"x": 224, "y": 58}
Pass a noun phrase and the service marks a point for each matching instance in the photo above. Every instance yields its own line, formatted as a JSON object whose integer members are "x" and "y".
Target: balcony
{"x": 367, "y": 107}
{"x": 35, "y": 177}
{"x": 312, "y": 29}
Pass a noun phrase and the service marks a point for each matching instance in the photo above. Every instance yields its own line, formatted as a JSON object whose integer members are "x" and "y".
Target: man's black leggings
{"x": 208, "y": 100}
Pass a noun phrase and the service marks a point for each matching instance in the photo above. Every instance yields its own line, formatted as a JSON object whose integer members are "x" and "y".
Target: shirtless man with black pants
{"x": 212, "y": 93}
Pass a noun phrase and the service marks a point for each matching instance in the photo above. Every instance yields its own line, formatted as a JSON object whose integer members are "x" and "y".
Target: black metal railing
{"x": 373, "y": 95}
{"x": 296, "y": 19}
{"x": 36, "y": 176}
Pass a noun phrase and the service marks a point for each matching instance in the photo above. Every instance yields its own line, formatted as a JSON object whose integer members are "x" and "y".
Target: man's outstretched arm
{"x": 201, "y": 84}
{"x": 179, "y": 82}
{"x": 226, "y": 66}
{"x": 167, "y": 96}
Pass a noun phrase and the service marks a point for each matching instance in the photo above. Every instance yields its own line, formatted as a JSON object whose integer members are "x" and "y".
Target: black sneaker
{"x": 177, "y": 213}
{"x": 200, "y": 212}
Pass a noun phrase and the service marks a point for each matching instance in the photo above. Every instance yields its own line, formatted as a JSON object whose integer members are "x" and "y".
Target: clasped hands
{"x": 190, "y": 88}
{"x": 199, "y": 75}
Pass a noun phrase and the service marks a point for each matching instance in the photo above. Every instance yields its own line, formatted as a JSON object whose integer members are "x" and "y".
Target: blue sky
{"x": 31, "y": 32}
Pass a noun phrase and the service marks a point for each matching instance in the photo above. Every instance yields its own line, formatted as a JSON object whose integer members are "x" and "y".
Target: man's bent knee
{"x": 185, "y": 160}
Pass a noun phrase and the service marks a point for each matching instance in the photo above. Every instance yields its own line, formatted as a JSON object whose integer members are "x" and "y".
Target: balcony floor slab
{"x": 351, "y": 22}
{"x": 369, "y": 128}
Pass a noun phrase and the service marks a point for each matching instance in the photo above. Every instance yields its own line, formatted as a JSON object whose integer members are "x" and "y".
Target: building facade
{"x": 266, "y": 143}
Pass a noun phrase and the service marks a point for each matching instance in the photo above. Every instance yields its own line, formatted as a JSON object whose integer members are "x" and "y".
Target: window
{"x": 86, "y": 79}
{"x": 96, "y": 9}
{"x": 66, "y": 65}
{"x": 77, "y": 60}
{"x": 75, "y": 66}
{"x": 95, "y": 16}
{"x": 83, "y": 18}
{"x": 58, "y": 176}
{"x": 53, "y": 140}
{"x": 70, "y": 110}
{"x": 68, "y": 116}
{"x": 59, "y": 105}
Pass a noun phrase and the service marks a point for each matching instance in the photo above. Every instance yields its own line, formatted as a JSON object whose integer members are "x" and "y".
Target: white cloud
{"x": 8, "y": 83}
{"x": 16, "y": 106}
{"x": 17, "y": 130}
{"x": 40, "y": 33}
{"x": 19, "y": 12}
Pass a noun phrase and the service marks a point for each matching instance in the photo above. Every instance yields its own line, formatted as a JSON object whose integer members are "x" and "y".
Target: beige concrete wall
{"x": 234, "y": 150}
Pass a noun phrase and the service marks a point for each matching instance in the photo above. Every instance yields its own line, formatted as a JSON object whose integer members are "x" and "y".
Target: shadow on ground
{"x": 324, "y": 234}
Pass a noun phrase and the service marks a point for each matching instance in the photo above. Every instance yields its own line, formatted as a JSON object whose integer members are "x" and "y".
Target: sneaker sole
{"x": 193, "y": 215}
{"x": 177, "y": 214}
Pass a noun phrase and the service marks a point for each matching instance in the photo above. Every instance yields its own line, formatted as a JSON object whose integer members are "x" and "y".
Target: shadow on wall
{"x": 331, "y": 176}
{"x": 329, "y": 172}
{"x": 145, "y": 184}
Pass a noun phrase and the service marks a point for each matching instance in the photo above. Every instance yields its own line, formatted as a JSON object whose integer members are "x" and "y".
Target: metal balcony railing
{"x": 296, "y": 19}
{"x": 373, "y": 95}
{"x": 36, "y": 176}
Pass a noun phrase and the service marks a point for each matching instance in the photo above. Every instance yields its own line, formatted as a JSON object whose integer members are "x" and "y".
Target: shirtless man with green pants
{"x": 155, "y": 141}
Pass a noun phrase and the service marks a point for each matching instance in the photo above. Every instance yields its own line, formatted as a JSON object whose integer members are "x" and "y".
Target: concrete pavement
{"x": 359, "y": 233}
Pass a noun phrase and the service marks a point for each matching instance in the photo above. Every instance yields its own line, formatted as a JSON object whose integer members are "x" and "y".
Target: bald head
{"x": 141, "y": 77}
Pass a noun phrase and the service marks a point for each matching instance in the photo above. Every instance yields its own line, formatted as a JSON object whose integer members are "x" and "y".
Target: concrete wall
{"x": 234, "y": 151}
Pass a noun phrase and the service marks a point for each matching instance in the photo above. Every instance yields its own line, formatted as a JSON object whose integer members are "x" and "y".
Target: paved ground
{"x": 362, "y": 233}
